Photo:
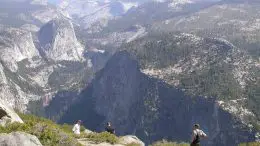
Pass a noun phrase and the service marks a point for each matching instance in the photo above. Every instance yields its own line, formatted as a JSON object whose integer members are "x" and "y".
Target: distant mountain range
{"x": 152, "y": 68}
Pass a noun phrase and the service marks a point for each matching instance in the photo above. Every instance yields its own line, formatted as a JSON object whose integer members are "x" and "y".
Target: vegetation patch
{"x": 49, "y": 133}
{"x": 250, "y": 144}
{"x": 133, "y": 144}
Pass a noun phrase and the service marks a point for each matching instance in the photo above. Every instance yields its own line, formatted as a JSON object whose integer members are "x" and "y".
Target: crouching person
{"x": 197, "y": 134}
{"x": 110, "y": 129}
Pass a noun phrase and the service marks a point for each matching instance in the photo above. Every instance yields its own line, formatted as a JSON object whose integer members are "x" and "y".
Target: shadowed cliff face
{"x": 150, "y": 108}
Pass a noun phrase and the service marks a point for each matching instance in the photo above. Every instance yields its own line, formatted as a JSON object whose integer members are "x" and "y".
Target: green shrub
{"x": 133, "y": 144}
{"x": 49, "y": 133}
{"x": 250, "y": 144}
{"x": 14, "y": 127}
{"x": 66, "y": 127}
{"x": 167, "y": 143}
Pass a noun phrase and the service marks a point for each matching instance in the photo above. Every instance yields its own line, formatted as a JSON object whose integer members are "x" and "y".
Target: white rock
{"x": 8, "y": 115}
{"x": 16, "y": 45}
{"x": 87, "y": 131}
{"x": 46, "y": 15}
{"x": 3, "y": 79}
{"x": 86, "y": 142}
{"x": 130, "y": 139}
{"x": 123, "y": 141}
{"x": 19, "y": 139}
{"x": 30, "y": 27}
{"x": 39, "y": 2}
{"x": 59, "y": 41}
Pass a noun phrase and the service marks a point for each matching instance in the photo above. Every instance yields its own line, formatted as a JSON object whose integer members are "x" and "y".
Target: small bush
{"x": 250, "y": 144}
{"x": 14, "y": 127}
{"x": 133, "y": 144}
{"x": 66, "y": 127}
{"x": 166, "y": 143}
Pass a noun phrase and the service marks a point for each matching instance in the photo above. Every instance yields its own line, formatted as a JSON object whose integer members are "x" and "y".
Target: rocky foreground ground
{"x": 34, "y": 131}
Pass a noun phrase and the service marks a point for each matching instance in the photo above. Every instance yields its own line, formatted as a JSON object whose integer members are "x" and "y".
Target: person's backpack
{"x": 197, "y": 139}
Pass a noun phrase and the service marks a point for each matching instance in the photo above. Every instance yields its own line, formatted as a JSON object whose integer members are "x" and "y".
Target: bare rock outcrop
{"x": 16, "y": 45}
{"x": 123, "y": 141}
{"x": 7, "y": 114}
{"x": 19, "y": 139}
{"x": 58, "y": 41}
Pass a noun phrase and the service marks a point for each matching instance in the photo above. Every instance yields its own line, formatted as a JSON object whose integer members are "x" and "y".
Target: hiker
{"x": 197, "y": 134}
{"x": 76, "y": 128}
{"x": 109, "y": 128}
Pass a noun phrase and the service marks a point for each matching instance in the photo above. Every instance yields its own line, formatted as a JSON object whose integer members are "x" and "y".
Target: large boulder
{"x": 123, "y": 141}
{"x": 7, "y": 114}
{"x": 86, "y": 131}
{"x": 19, "y": 139}
{"x": 130, "y": 139}
{"x": 86, "y": 142}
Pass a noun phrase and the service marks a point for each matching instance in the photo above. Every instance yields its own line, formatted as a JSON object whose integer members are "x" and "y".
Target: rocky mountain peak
{"x": 58, "y": 41}
{"x": 145, "y": 80}
{"x": 16, "y": 45}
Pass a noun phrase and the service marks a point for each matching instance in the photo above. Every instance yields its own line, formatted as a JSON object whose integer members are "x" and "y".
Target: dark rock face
{"x": 2, "y": 113}
{"x": 150, "y": 108}
{"x": 116, "y": 8}
{"x": 46, "y": 34}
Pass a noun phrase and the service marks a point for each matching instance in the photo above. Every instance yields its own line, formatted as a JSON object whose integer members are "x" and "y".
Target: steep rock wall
{"x": 151, "y": 109}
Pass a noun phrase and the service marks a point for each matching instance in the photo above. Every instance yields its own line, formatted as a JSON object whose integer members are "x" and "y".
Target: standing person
{"x": 197, "y": 134}
{"x": 76, "y": 128}
{"x": 109, "y": 128}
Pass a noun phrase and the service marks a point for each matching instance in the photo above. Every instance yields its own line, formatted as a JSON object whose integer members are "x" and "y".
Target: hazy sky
{"x": 54, "y": 1}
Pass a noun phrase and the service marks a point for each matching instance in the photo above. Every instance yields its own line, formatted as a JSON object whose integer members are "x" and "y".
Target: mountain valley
{"x": 152, "y": 68}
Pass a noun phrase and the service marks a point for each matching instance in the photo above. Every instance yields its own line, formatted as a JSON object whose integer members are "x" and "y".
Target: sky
{"x": 54, "y": 1}
{"x": 57, "y": 1}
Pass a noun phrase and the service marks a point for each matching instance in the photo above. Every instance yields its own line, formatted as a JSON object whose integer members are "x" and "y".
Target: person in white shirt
{"x": 76, "y": 128}
{"x": 197, "y": 134}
